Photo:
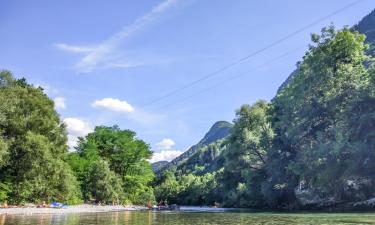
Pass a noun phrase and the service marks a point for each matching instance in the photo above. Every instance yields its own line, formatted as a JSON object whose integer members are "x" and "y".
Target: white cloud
{"x": 122, "y": 106}
{"x": 165, "y": 151}
{"x": 165, "y": 144}
{"x": 113, "y": 104}
{"x": 76, "y": 128}
{"x": 105, "y": 54}
{"x": 60, "y": 103}
{"x": 165, "y": 155}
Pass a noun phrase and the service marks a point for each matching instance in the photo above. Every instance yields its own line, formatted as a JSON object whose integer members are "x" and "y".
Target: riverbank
{"x": 70, "y": 209}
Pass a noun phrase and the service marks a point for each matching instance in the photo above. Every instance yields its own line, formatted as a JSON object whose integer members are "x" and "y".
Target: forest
{"x": 312, "y": 145}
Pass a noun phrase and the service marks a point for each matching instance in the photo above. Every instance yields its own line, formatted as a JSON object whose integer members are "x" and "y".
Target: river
{"x": 190, "y": 217}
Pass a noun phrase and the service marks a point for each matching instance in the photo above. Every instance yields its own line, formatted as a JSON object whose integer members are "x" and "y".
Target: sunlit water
{"x": 188, "y": 218}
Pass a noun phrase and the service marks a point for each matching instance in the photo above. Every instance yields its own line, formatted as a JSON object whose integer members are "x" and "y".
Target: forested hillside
{"x": 189, "y": 179}
{"x": 366, "y": 27}
{"x": 218, "y": 131}
{"x": 312, "y": 146}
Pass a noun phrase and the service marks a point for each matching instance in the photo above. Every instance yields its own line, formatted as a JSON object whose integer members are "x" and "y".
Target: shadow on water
{"x": 188, "y": 217}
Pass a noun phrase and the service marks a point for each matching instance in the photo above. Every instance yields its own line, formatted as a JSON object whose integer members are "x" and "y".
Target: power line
{"x": 226, "y": 67}
{"x": 234, "y": 77}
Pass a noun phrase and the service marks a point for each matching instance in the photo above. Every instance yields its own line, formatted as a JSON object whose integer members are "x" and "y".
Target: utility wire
{"x": 226, "y": 67}
{"x": 234, "y": 77}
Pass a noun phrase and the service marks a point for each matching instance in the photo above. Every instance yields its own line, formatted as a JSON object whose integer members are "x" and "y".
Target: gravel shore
{"x": 70, "y": 209}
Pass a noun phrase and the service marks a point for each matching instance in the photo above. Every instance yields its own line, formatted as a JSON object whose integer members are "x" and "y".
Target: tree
{"x": 126, "y": 157}
{"x": 168, "y": 189}
{"x": 102, "y": 184}
{"x": 32, "y": 145}
{"x": 246, "y": 155}
{"x": 308, "y": 117}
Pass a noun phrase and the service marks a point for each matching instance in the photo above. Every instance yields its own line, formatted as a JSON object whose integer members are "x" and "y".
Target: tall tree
{"x": 34, "y": 138}
{"x": 246, "y": 155}
{"x": 126, "y": 157}
{"x": 308, "y": 114}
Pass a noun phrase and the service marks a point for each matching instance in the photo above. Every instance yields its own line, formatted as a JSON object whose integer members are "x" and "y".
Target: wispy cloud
{"x": 105, "y": 54}
{"x": 74, "y": 49}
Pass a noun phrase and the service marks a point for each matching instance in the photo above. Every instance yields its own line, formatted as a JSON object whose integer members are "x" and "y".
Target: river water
{"x": 191, "y": 217}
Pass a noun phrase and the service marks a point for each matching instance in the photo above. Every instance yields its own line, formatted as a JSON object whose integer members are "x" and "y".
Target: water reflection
{"x": 185, "y": 218}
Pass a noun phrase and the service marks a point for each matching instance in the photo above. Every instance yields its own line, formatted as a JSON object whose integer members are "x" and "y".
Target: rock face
{"x": 367, "y": 204}
{"x": 309, "y": 197}
{"x": 358, "y": 189}
{"x": 357, "y": 193}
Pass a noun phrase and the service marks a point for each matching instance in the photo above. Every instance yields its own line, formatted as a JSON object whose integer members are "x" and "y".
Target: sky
{"x": 117, "y": 61}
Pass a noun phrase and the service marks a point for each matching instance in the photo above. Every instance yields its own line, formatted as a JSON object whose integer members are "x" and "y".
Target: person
{"x": 149, "y": 205}
{"x": 5, "y": 205}
{"x": 160, "y": 204}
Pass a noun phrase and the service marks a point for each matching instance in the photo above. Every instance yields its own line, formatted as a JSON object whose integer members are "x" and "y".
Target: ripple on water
{"x": 191, "y": 217}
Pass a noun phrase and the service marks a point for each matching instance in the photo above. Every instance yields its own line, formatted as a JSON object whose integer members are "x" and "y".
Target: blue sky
{"x": 103, "y": 61}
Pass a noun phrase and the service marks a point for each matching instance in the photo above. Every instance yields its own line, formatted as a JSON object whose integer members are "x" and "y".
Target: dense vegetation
{"x": 32, "y": 146}
{"x": 190, "y": 179}
{"x": 110, "y": 165}
{"x": 311, "y": 146}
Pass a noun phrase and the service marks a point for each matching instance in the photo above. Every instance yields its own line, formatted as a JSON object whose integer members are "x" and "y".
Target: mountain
{"x": 219, "y": 131}
{"x": 156, "y": 166}
{"x": 365, "y": 26}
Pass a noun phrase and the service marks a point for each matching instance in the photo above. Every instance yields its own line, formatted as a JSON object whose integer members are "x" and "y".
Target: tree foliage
{"x": 312, "y": 144}
{"x": 311, "y": 115}
{"x": 32, "y": 146}
{"x": 246, "y": 155}
{"x": 122, "y": 160}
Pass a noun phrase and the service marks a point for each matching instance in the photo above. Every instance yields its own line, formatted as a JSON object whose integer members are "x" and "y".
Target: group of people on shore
{"x": 41, "y": 205}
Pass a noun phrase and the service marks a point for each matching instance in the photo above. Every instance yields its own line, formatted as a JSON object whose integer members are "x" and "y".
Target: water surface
{"x": 188, "y": 218}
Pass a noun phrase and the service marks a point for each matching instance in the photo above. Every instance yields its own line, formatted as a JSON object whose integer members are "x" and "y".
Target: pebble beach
{"x": 70, "y": 209}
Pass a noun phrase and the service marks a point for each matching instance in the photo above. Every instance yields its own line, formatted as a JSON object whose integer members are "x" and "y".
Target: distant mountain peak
{"x": 218, "y": 131}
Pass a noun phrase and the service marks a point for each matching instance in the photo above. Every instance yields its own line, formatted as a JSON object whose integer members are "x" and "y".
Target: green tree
{"x": 308, "y": 116}
{"x": 102, "y": 184}
{"x": 33, "y": 145}
{"x": 126, "y": 156}
{"x": 246, "y": 155}
{"x": 169, "y": 188}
